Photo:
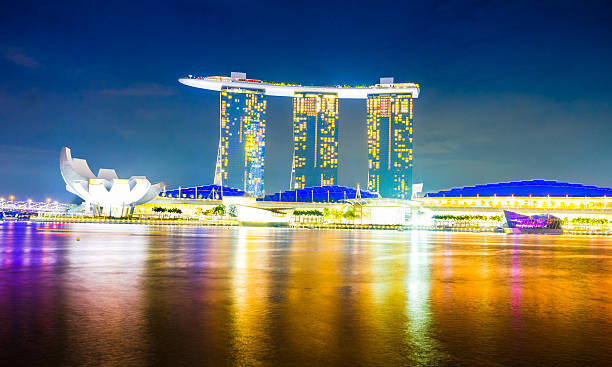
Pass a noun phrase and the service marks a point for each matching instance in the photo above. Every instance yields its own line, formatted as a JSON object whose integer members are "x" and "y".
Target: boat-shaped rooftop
{"x": 239, "y": 81}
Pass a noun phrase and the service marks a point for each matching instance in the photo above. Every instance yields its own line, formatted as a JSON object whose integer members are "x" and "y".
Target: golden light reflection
{"x": 418, "y": 284}
{"x": 250, "y": 288}
{"x": 314, "y": 294}
{"x": 258, "y": 296}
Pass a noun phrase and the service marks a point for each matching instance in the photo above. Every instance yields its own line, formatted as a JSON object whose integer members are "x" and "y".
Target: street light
{"x": 12, "y": 197}
{"x": 48, "y": 200}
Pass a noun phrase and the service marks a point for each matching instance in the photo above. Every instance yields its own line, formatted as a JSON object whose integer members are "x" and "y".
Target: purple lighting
{"x": 533, "y": 224}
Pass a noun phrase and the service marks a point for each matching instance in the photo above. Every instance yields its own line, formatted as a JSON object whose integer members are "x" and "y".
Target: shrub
{"x": 313, "y": 212}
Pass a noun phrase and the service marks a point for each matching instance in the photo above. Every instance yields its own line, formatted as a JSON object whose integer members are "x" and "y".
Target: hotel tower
{"x": 315, "y": 140}
{"x": 389, "y": 130}
{"x": 242, "y": 143}
{"x": 240, "y": 160}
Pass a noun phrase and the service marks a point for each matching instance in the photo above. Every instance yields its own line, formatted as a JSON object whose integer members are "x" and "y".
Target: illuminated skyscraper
{"x": 315, "y": 140}
{"x": 240, "y": 159}
{"x": 390, "y": 159}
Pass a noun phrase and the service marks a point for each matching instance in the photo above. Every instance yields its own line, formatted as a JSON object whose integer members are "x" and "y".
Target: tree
{"x": 313, "y": 212}
{"x": 337, "y": 214}
{"x": 218, "y": 210}
{"x": 232, "y": 211}
{"x": 350, "y": 213}
{"x": 583, "y": 220}
{"x": 159, "y": 209}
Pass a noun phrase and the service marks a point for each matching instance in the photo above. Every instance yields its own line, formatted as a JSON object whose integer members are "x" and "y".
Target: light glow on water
{"x": 257, "y": 296}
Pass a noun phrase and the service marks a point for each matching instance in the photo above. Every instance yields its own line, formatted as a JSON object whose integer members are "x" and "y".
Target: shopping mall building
{"x": 577, "y": 205}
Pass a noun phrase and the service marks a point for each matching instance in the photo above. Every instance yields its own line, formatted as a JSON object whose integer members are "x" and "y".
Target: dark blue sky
{"x": 509, "y": 90}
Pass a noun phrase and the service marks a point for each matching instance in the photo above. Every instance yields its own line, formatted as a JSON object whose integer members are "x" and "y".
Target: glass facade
{"x": 315, "y": 139}
{"x": 320, "y": 194}
{"x": 240, "y": 159}
{"x": 214, "y": 192}
{"x": 389, "y": 129}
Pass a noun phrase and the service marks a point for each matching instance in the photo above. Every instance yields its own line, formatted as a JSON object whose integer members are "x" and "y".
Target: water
{"x": 134, "y": 295}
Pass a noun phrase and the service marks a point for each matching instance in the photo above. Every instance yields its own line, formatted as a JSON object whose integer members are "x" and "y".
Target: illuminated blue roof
{"x": 202, "y": 192}
{"x": 537, "y": 188}
{"x": 319, "y": 194}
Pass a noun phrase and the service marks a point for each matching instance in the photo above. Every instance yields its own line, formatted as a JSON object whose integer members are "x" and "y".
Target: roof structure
{"x": 105, "y": 190}
{"x": 213, "y": 192}
{"x": 217, "y": 83}
{"x": 534, "y": 188}
{"x": 320, "y": 194}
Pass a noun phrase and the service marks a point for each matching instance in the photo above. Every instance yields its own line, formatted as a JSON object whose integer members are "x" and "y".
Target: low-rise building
{"x": 579, "y": 206}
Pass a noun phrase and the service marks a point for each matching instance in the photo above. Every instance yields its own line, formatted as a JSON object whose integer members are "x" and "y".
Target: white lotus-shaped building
{"x": 109, "y": 195}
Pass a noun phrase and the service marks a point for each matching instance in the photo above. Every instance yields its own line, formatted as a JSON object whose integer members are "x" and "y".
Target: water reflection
{"x": 141, "y": 295}
{"x": 250, "y": 287}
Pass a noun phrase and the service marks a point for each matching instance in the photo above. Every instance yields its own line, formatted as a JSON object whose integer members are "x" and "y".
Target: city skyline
{"x": 503, "y": 99}
{"x": 241, "y": 155}
{"x": 287, "y": 183}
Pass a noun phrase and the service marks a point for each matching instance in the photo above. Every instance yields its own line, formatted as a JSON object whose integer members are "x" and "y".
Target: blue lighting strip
{"x": 536, "y": 188}
{"x": 213, "y": 192}
{"x": 320, "y": 194}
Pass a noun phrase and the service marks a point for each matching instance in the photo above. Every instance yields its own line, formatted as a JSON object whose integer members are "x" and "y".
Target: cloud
{"x": 21, "y": 59}
{"x": 126, "y": 133}
{"x": 25, "y": 161}
{"x": 9, "y": 151}
{"x": 141, "y": 90}
{"x": 433, "y": 143}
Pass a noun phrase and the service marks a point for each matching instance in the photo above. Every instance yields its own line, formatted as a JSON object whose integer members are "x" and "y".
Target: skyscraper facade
{"x": 240, "y": 158}
{"x": 389, "y": 129}
{"x": 315, "y": 140}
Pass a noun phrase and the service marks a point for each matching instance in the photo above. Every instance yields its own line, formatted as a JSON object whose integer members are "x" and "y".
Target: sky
{"x": 509, "y": 90}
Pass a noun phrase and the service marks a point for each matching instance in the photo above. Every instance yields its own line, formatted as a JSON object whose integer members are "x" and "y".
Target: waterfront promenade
{"x": 230, "y": 222}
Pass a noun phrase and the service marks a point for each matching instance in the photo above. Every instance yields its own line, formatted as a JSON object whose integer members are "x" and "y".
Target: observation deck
{"x": 217, "y": 83}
